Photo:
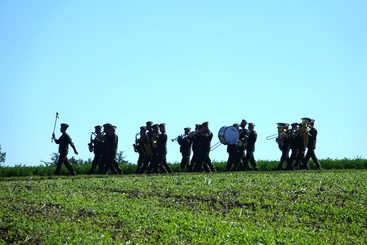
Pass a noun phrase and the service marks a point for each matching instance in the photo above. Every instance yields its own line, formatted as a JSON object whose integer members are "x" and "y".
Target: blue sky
{"x": 182, "y": 63}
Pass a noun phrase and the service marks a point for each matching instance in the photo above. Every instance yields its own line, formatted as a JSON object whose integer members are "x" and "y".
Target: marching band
{"x": 151, "y": 146}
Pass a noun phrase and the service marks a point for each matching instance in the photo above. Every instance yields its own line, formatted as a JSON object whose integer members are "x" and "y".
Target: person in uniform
{"x": 162, "y": 150}
{"x": 232, "y": 151}
{"x": 204, "y": 139}
{"x": 250, "y": 147}
{"x": 294, "y": 137}
{"x": 311, "y": 146}
{"x": 96, "y": 146}
{"x": 241, "y": 153}
{"x": 195, "y": 147}
{"x": 301, "y": 144}
{"x": 185, "y": 143}
{"x": 142, "y": 147}
{"x": 109, "y": 150}
{"x": 154, "y": 161}
{"x": 64, "y": 141}
{"x": 283, "y": 143}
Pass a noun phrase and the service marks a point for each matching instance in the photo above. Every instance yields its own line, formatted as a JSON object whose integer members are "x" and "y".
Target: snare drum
{"x": 228, "y": 135}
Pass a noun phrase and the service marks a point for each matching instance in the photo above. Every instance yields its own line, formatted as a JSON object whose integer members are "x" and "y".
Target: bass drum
{"x": 229, "y": 135}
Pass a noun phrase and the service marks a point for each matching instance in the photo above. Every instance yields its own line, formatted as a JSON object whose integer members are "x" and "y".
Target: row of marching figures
{"x": 293, "y": 142}
{"x": 195, "y": 147}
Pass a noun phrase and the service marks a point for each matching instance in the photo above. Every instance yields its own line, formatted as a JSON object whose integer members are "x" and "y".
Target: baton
{"x": 57, "y": 116}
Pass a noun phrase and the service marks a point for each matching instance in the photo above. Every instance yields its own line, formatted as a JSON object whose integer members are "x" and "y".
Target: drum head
{"x": 229, "y": 135}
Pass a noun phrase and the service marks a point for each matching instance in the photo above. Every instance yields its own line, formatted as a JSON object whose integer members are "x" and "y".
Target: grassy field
{"x": 83, "y": 168}
{"x": 303, "y": 207}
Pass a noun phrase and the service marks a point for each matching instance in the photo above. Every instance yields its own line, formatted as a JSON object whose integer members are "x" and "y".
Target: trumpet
{"x": 175, "y": 139}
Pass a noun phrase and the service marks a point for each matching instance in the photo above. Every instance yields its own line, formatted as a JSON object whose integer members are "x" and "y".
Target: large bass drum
{"x": 229, "y": 135}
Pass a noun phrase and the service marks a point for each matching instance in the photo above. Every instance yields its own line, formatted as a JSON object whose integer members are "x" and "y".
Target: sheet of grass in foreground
{"x": 300, "y": 207}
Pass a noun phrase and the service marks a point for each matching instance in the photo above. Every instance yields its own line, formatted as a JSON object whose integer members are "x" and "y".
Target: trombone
{"x": 215, "y": 146}
{"x": 270, "y": 137}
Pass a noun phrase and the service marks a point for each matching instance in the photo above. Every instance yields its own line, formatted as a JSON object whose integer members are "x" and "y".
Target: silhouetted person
{"x": 162, "y": 149}
{"x": 232, "y": 151}
{"x": 241, "y": 152}
{"x": 283, "y": 144}
{"x": 185, "y": 143}
{"x": 250, "y": 147}
{"x": 311, "y": 146}
{"x": 142, "y": 146}
{"x": 294, "y": 138}
{"x": 64, "y": 141}
{"x": 96, "y": 147}
{"x": 109, "y": 150}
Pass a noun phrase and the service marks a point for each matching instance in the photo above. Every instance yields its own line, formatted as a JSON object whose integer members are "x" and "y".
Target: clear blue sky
{"x": 181, "y": 62}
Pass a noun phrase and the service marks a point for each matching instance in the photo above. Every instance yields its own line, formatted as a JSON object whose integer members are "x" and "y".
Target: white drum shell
{"x": 229, "y": 135}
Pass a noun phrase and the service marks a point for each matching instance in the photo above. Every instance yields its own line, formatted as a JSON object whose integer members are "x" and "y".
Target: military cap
{"x": 143, "y": 128}
{"x": 107, "y": 125}
{"x": 252, "y": 124}
{"x": 236, "y": 125}
{"x": 294, "y": 125}
{"x": 187, "y": 129}
{"x": 64, "y": 125}
{"x": 149, "y": 123}
{"x": 98, "y": 127}
{"x": 162, "y": 125}
{"x": 155, "y": 126}
{"x": 282, "y": 125}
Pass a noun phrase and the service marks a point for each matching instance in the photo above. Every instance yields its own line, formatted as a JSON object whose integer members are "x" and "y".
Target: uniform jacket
{"x": 312, "y": 138}
{"x": 251, "y": 141}
{"x": 64, "y": 141}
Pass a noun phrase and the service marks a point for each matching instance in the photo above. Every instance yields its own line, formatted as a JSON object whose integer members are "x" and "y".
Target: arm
{"x": 72, "y": 145}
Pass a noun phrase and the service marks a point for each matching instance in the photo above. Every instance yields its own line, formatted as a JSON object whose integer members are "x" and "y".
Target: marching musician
{"x": 283, "y": 143}
{"x": 185, "y": 143}
{"x": 195, "y": 147}
{"x": 240, "y": 159}
{"x": 143, "y": 148}
{"x": 311, "y": 146}
{"x": 250, "y": 147}
{"x": 154, "y": 161}
{"x": 204, "y": 139}
{"x": 294, "y": 138}
{"x": 232, "y": 151}
{"x": 302, "y": 142}
{"x": 109, "y": 149}
{"x": 95, "y": 145}
{"x": 162, "y": 149}
{"x": 64, "y": 141}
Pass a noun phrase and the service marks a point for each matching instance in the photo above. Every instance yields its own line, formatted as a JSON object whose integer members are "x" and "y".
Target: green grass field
{"x": 302, "y": 207}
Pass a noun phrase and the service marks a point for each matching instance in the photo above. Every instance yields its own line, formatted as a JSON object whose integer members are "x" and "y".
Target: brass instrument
{"x": 96, "y": 138}
{"x": 305, "y": 129}
{"x": 273, "y": 136}
{"x": 137, "y": 142}
{"x": 175, "y": 139}
{"x": 281, "y": 129}
{"x": 215, "y": 146}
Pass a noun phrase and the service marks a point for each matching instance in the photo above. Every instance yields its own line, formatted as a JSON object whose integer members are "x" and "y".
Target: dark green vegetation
{"x": 302, "y": 207}
{"x": 82, "y": 167}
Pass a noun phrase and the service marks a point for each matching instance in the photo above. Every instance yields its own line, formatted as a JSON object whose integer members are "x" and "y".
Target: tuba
{"x": 304, "y": 129}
